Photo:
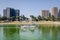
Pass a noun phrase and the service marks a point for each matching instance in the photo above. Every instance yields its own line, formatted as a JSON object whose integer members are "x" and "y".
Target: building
{"x": 59, "y": 13}
{"x": 17, "y": 12}
{"x": 54, "y": 12}
{"x": 10, "y": 12}
{"x": 44, "y": 13}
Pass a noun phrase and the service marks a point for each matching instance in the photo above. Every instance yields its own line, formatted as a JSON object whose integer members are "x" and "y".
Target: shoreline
{"x": 39, "y": 22}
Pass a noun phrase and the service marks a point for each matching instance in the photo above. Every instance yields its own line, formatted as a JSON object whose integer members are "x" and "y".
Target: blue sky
{"x": 29, "y": 7}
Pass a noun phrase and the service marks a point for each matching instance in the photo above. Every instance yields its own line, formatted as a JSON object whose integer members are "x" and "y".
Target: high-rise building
{"x": 10, "y": 12}
{"x": 17, "y": 12}
{"x": 54, "y": 12}
{"x": 44, "y": 13}
{"x": 59, "y": 13}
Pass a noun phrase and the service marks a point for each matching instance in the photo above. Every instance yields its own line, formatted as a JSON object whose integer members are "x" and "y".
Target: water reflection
{"x": 50, "y": 33}
{"x": 54, "y": 33}
{"x": 1, "y": 33}
{"x": 30, "y": 34}
{"x": 14, "y": 32}
{"x": 11, "y": 33}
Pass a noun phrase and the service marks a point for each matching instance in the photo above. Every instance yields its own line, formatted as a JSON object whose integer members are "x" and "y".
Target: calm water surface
{"x": 17, "y": 32}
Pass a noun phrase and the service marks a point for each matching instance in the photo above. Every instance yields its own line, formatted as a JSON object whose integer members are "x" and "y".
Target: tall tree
{"x": 33, "y": 18}
{"x": 39, "y": 18}
{"x": 17, "y": 18}
{"x": 23, "y": 17}
{"x": 53, "y": 18}
{"x": 58, "y": 18}
{"x": 4, "y": 18}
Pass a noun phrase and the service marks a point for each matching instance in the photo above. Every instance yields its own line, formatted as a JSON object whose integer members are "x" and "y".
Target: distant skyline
{"x": 29, "y": 7}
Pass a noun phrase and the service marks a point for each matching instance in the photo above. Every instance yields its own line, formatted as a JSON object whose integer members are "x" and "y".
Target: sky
{"x": 29, "y": 7}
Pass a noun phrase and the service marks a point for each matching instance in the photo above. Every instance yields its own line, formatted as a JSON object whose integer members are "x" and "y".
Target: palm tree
{"x": 33, "y": 18}
{"x": 43, "y": 18}
{"x": 20, "y": 18}
{"x": 0, "y": 18}
{"x": 4, "y": 18}
{"x": 58, "y": 18}
{"x": 39, "y": 18}
{"x": 23, "y": 17}
{"x": 53, "y": 18}
{"x": 12, "y": 18}
{"x": 46, "y": 18}
{"x": 17, "y": 17}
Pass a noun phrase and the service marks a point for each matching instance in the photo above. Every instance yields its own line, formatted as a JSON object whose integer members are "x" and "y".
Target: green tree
{"x": 17, "y": 18}
{"x": 53, "y": 18}
{"x": 58, "y": 18}
{"x": 39, "y": 18}
{"x": 12, "y": 18}
{"x": 43, "y": 18}
{"x": 4, "y": 18}
{"x": 23, "y": 17}
{"x": 33, "y": 18}
{"x": 0, "y": 18}
{"x": 48, "y": 18}
{"x": 20, "y": 18}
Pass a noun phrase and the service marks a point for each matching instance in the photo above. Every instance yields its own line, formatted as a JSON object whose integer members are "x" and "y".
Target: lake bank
{"x": 40, "y": 22}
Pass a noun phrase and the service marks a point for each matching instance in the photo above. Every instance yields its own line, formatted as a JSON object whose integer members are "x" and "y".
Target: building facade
{"x": 10, "y": 12}
{"x": 54, "y": 12}
{"x": 44, "y": 13}
{"x": 59, "y": 13}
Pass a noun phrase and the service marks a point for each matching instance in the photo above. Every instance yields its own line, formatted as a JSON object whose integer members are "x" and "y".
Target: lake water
{"x": 17, "y": 32}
